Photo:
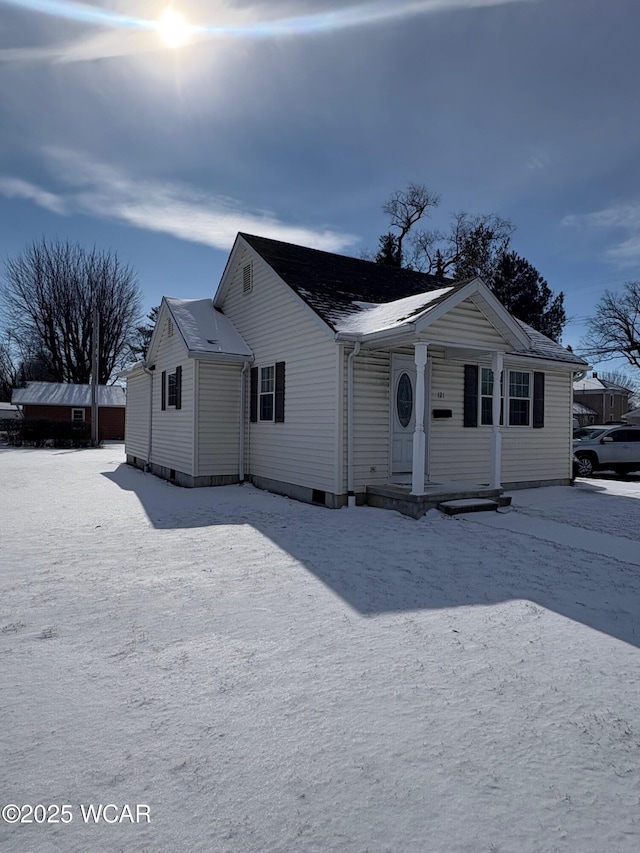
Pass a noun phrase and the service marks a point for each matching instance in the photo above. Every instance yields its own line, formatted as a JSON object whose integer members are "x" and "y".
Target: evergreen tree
{"x": 142, "y": 335}
{"x": 389, "y": 253}
{"x": 525, "y": 294}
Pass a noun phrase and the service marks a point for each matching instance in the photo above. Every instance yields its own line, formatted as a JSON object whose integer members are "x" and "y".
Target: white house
{"x": 326, "y": 378}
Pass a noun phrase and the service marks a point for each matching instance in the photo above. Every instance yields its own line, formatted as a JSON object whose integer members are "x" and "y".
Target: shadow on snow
{"x": 380, "y": 562}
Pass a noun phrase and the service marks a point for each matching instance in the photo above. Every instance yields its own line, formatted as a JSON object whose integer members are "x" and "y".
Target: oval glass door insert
{"x": 404, "y": 400}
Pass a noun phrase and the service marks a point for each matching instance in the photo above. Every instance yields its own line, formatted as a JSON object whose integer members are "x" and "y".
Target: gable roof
{"x": 204, "y": 329}
{"x": 362, "y": 298}
{"x": 594, "y": 383}
{"x": 63, "y": 394}
{"x": 330, "y": 283}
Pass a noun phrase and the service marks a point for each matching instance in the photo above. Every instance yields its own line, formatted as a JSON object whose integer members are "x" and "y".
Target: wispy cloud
{"x": 623, "y": 218}
{"x": 128, "y": 34}
{"x": 106, "y": 192}
{"x": 17, "y": 188}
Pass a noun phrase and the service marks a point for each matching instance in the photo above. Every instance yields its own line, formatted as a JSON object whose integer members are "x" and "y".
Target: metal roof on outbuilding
{"x": 63, "y": 394}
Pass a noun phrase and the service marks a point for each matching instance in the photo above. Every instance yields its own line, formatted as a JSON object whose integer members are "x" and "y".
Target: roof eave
{"x": 380, "y": 335}
{"x": 545, "y": 360}
{"x": 229, "y": 357}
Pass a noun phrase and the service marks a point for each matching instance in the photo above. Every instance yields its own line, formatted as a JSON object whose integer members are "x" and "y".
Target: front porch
{"x": 399, "y": 496}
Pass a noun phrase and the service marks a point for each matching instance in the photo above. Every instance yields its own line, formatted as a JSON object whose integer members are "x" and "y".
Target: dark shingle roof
{"x": 544, "y": 347}
{"x": 330, "y": 283}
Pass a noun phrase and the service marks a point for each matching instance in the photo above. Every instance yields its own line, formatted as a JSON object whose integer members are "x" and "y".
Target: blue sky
{"x": 296, "y": 120}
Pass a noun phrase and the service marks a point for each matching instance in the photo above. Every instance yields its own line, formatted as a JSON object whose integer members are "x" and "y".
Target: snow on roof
{"x": 365, "y": 318}
{"x": 581, "y": 409}
{"x": 594, "y": 383}
{"x": 205, "y": 329}
{"x": 63, "y": 394}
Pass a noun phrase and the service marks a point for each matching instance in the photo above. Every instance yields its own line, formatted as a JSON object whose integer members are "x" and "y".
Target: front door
{"x": 403, "y": 416}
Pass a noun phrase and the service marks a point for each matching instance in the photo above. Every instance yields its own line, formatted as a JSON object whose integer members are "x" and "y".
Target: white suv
{"x": 616, "y": 448}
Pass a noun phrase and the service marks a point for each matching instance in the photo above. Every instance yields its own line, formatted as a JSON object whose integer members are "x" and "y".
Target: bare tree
{"x": 621, "y": 378}
{"x": 474, "y": 246}
{"x": 471, "y": 247}
{"x": 614, "y": 330}
{"x": 404, "y": 208}
{"x": 50, "y": 290}
{"x": 20, "y": 363}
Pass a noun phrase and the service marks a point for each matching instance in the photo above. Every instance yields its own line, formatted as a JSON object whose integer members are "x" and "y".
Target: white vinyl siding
{"x": 542, "y": 454}
{"x": 457, "y": 453}
{"x": 371, "y": 419}
{"x": 136, "y": 432}
{"x": 466, "y": 324}
{"x": 278, "y": 326}
{"x": 172, "y": 439}
{"x": 218, "y": 420}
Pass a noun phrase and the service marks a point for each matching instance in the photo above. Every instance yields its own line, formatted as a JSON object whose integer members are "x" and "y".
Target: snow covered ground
{"x": 270, "y": 676}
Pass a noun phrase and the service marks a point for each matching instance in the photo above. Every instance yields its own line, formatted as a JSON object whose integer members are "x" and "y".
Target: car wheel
{"x": 585, "y": 464}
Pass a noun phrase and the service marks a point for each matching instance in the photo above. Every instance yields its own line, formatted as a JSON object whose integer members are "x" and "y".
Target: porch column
{"x": 419, "y": 443}
{"x": 496, "y": 438}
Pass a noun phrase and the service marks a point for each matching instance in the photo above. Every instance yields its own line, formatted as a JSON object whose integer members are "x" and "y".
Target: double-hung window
{"x": 267, "y": 392}
{"x": 519, "y": 398}
{"x": 171, "y": 389}
{"x": 486, "y": 397}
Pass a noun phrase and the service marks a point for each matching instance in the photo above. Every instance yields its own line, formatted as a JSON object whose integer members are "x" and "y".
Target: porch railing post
{"x": 419, "y": 442}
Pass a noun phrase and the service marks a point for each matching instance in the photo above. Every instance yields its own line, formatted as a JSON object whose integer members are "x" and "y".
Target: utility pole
{"x": 95, "y": 377}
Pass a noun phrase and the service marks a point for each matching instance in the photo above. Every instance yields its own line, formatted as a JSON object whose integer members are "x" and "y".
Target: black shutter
{"x": 279, "y": 392}
{"x": 470, "y": 395}
{"x": 253, "y": 403}
{"x": 538, "y": 400}
{"x": 163, "y": 393}
{"x": 179, "y": 387}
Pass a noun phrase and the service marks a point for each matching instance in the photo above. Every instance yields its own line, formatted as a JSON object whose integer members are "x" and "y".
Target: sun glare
{"x": 174, "y": 29}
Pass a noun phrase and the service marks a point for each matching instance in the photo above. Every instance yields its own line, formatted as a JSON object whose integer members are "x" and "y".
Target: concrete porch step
{"x": 455, "y": 507}
{"x": 399, "y": 498}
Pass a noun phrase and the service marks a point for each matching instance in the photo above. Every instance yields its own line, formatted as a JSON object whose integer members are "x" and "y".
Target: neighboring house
{"x": 608, "y": 400}
{"x": 632, "y": 417}
{"x": 319, "y": 376}
{"x": 63, "y": 402}
{"x": 9, "y": 412}
{"x": 583, "y": 415}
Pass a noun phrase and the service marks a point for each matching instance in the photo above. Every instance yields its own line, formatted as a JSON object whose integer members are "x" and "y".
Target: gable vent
{"x": 169, "y": 328}
{"x": 247, "y": 278}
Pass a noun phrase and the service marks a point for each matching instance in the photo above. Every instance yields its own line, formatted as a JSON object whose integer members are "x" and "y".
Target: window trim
{"x": 171, "y": 389}
{"x": 75, "y": 420}
{"x": 267, "y": 394}
{"x": 473, "y": 397}
{"x": 482, "y": 397}
{"x": 172, "y": 394}
{"x": 528, "y": 398}
{"x": 278, "y": 393}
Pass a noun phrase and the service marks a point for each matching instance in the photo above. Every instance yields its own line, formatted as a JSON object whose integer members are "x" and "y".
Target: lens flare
{"x": 174, "y": 29}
